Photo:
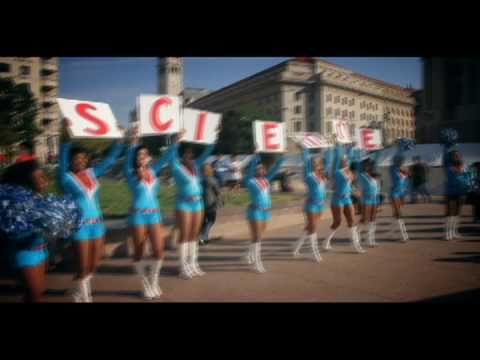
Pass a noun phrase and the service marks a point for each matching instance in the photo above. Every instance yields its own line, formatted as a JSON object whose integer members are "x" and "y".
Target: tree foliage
{"x": 18, "y": 110}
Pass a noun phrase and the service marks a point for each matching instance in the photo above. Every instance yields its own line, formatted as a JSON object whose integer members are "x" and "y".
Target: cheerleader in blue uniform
{"x": 458, "y": 184}
{"x": 28, "y": 220}
{"x": 257, "y": 182}
{"x": 145, "y": 217}
{"x": 370, "y": 189}
{"x": 399, "y": 178}
{"x": 81, "y": 181}
{"x": 189, "y": 207}
{"x": 315, "y": 204}
{"x": 342, "y": 200}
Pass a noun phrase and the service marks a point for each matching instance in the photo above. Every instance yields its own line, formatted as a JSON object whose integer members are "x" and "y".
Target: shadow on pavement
{"x": 468, "y": 257}
{"x": 468, "y": 296}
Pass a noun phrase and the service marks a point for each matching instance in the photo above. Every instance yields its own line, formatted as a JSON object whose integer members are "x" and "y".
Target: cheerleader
{"x": 28, "y": 220}
{"x": 145, "y": 217}
{"x": 315, "y": 181}
{"x": 257, "y": 181}
{"x": 81, "y": 181}
{"x": 370, "y": 193}
{"x": 341, "y": 200}
{"x": 457, "y": 184}
{"x": 189, "y": 207}
{"x": 399, "y": 178}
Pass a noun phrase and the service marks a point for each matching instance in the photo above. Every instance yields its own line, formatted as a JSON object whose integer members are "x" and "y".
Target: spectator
{"x": 419, "y": 180}
{"x": 26, "y": 152}
{"x": 212, "y": 199}
{"x": 474, "y": 196}
{"x": 234, "y": 178}
{"x": 220, "y": 169}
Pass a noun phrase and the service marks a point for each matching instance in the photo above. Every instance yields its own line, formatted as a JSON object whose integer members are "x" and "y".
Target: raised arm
{"x": 339, "y": 152}
{"x": 273, "y": 171}
{"x": 101, "y": 168}
{"x": 128, "y": 167}
{"x": 251, "y": 167}
{"x": 307, "y": 162}
{"x": 64, "y": 161}
{"x": 204, "y": 156}
{"x": 166, "y": 158}
{"x": 327, "y": 161}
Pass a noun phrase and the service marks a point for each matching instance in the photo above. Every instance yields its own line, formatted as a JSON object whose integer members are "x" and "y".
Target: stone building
{"x": 42, "y": 79}
{"x": 308, "y": 93}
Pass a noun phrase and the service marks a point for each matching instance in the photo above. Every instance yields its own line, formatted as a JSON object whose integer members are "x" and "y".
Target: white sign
{"x": 88, "y": 119}
{"x": 158, "y": 114}
{"x": 341, "y": 129}
{"x": 269, "y": 136}
{"x": 201, "y": 126}
{"x": 311, "y": 140}
{"x": 368, "y": 139}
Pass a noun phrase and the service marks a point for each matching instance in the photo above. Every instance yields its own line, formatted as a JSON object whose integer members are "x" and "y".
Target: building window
{"x": 329, "y": 97}
{"x": 329, "y": 111}
{"x": 362, "y": 104}
{"x": 329, "y": 127}
{"x": 4, "y": 68}
{"x": 24, "y": 70}
{"x": 297, "y": 96}
{"x": 298, "y": 126}
{"x": 337, "y": 112}
{"x": 344, "y": 101}
{"x": 351, "y": 102}
{"x": 352, "y": 114}
{"x": 336, "y": 100}
{"x": 298, "y": 109}
{"x": 344, "y": 114}
{"x": 376, "y": 106}
{"x": 352, "y": 130}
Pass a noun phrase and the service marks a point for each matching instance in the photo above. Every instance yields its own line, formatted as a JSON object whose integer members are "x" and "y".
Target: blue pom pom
{"x": 449, "y": 137}
{"x": 406, "y": 144}
{"x": 23, "y": 211}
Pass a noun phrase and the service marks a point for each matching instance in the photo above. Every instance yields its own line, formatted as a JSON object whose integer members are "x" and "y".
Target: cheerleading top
{"x": 316, "y": 184}
{"x": 145, "y": 191}
{"x": 259, "y": 188}
{"x": 84, "y": 186}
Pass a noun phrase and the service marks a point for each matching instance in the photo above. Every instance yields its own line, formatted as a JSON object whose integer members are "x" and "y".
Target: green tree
{"x": 236, "y": 135}
{"x": 18, "y": 110}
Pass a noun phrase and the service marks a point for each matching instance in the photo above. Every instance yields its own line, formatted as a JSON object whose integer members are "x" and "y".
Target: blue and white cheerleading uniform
{"x": 316, "y": 185}
{"x": 259, "y": 189}
{"x": 342, "y": 195}
{"x": 145, "y": 209}
{"x": 189, "y": 187}
{"x": 84, "y": 188}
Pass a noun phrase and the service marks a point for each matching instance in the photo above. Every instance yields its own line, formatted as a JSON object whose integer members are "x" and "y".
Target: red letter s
{"x": 103, "y": 127}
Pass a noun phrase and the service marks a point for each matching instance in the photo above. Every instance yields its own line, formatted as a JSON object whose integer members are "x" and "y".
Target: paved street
{"x": 426, "y": 268}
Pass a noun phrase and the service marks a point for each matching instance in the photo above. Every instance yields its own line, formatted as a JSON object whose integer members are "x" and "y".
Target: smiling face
{"x": 143, "y": 157}
{"x": 79, "y": 162}
{"x": 318, "y": 165}
{"x": 39, "y": 180}
{"x": 260, "y": 171}
{"x": 188, "y": 157}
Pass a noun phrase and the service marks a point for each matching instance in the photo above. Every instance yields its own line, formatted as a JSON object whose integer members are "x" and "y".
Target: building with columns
{"x": 41, "y": 77}
{"x": 450, "y": 99}
{"x": 308, "y": 93}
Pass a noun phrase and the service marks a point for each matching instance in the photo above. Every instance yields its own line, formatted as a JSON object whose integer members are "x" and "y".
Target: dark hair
{"x": 367, "y": 162}
{"x": 27, "y": 145}
{"x": 77, "y": 150}
{"x": 137, "y": 150}
{"x": 21, "y": 174}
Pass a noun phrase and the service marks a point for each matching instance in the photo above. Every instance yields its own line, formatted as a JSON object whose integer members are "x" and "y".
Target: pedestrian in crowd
{"x": 26, "y": 152}
{"x": 212, "y": 199}
{"x": 145, "y": 218}
{"x": 235, "y": 174}
{"x": 257, "y": 181}
{"x": 221, "y": 169}
{"x": 80, "y": 180}
{"x": 475, "y": 193}
{"x": 419, "y": 171}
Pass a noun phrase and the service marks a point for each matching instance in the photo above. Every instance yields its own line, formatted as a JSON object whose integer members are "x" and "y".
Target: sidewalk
{"x": 427, "y": 268}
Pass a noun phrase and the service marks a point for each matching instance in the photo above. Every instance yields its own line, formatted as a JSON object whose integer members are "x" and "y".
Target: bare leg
{"x": 33, "y": 278}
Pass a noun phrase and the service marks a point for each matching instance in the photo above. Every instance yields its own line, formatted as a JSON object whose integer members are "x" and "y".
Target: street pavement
{"x": 427, "y": 268}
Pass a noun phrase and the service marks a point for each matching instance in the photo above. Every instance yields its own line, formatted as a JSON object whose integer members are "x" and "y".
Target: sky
{"x": 118, "y": 81}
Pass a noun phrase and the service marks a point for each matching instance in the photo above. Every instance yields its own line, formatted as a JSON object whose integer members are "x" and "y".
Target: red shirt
{"x": 25, "y": 157}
